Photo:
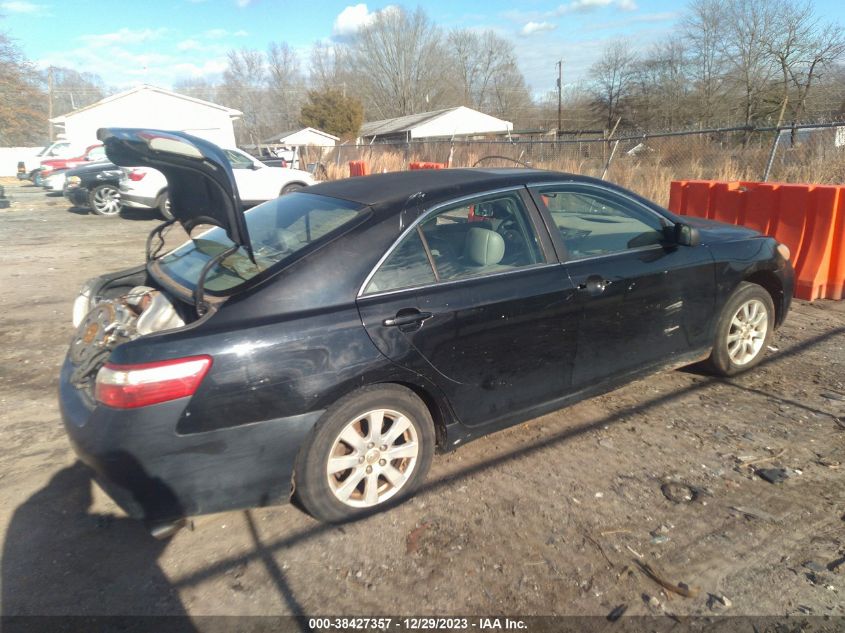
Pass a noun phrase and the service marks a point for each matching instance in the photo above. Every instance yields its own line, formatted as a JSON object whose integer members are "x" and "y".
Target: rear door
{"x": 645, "y": 300}
{"x": 472, "y": 298}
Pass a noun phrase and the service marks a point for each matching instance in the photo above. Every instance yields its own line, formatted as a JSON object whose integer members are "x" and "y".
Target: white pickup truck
{"x": 59, "y": 149}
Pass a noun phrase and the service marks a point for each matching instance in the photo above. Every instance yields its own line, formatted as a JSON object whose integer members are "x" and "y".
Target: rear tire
{"x": 104, "y": 200}
{"x": 164, "y": 207}
{"x": 294, "y": 186}
{"x": 369, "y": 451}
{"x": 744, "y": 330}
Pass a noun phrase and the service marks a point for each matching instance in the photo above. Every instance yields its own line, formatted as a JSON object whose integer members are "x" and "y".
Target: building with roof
{"x": 148, "y": 106}
{"x": 448, "y": 123}
{"x": 302, "y": 137}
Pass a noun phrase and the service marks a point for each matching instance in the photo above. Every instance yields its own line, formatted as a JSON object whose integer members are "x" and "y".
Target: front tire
{"x": 104, "y": 200}
{"x": 369, "y": 451}
{"x": 744, "y": 330}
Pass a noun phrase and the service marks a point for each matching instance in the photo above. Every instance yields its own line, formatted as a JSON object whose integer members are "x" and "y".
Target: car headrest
{"x": 484, "y": 247}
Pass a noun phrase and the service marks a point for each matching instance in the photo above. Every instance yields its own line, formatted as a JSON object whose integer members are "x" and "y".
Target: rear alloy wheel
{"x": 164, "y": 207}
{"x": 294, "y": 186}
{"x": 744, "y": 330}
{"x": 369, "y": 451}
{"x": 104, "y": 200}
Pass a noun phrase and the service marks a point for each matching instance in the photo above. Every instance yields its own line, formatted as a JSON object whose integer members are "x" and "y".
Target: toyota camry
{"x": 325, "y": 344}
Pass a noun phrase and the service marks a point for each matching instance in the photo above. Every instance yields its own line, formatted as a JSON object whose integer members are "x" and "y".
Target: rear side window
{"x": 487, "y": 235}
{"x": 277, "y": 230}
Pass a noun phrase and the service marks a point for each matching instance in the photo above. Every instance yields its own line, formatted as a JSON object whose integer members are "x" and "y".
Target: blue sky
{"x": 161, "y": 41}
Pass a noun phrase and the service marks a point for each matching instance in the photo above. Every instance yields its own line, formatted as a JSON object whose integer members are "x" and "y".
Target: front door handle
{"x": 595, "y": 284}
{"x": 407, "y": 317}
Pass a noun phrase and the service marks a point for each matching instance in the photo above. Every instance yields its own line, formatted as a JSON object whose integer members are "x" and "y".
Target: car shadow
{"x": 131, "y": 213}
{"x": 60, "y": 559}
{"x": 78, "y": 210}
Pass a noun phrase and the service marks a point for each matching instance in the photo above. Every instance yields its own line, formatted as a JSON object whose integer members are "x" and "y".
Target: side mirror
{"x": 686, "y": 235}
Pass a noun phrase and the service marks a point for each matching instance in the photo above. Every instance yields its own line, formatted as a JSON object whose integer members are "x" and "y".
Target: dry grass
{"x": 649, "y": 173}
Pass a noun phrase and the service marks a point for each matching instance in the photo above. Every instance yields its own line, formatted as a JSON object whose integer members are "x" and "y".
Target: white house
{"x": 148, "y": 106}
{"x": 460, "y": 122}
{"x": 303, "y": 137}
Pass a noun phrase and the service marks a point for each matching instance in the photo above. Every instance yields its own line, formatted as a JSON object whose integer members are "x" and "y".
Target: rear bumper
{"x": 137, "y": 202}
{"x": 77, "y": 196}
{"x": 156, "y": 474}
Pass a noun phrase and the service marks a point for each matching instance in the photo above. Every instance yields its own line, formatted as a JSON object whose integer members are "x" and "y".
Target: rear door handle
{"x": 407, "y": 318}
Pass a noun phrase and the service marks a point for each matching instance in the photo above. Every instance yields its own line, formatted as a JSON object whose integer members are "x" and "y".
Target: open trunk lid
{"x": 200, "y": 181}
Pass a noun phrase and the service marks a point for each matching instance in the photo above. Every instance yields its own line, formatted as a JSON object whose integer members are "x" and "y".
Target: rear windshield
{"x": 277, "y": 229}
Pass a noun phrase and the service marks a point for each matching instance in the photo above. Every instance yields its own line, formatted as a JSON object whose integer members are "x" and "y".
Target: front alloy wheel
{"x": 747, "y": 332}
{"x": 744, "y": 329}
{"x": 370, "y": 450}
{"x": 105, "y": 201}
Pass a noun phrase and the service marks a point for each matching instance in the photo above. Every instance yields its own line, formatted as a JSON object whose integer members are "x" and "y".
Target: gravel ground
{"x": 561, "y": 515}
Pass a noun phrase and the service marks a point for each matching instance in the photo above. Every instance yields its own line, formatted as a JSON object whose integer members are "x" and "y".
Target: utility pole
{"x": 50, "y": 103}
{"x": 559, "y": 89}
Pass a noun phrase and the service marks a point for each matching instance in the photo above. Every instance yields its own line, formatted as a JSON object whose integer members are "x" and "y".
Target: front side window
{"x": 487, "y": 235}
{"x": 593, "y": 223}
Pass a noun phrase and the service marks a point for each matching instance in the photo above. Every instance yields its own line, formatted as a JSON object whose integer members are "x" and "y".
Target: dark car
{"x": 95, "y": 186}
{"x": 325, "y": 343}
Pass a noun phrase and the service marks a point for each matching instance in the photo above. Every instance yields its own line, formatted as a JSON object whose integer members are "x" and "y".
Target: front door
{"x": 473, "y": 299}
{"x": 646, "y": 300}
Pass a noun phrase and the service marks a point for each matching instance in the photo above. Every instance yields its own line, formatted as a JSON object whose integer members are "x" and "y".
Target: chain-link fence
{"x": 643, "y": 162}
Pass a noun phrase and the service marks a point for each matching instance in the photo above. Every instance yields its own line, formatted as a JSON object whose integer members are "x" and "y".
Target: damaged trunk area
{"x": 117, "y": 308}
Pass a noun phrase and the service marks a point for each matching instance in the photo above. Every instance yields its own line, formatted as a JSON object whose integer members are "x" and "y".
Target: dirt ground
{"x": 555, "y": 516}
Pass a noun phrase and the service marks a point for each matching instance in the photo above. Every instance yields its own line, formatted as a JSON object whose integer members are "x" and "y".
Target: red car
{"x": 92, "y": 153}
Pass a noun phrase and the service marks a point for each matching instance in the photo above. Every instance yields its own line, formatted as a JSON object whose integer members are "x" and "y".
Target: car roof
{"x": 394, "y": 188}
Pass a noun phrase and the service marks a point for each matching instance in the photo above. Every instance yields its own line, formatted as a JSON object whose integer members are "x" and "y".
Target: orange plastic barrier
{"x": 809, "y": 219}
{"x": 427, "y": 166}
{"x": 358, "y": 168}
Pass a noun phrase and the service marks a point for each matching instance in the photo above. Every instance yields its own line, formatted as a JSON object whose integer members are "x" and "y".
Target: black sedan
{"x": 326, "y": 343}
{"x": 96, "y": 187}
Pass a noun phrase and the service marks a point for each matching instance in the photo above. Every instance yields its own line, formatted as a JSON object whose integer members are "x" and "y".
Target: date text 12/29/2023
{"x": 416, "y": 624}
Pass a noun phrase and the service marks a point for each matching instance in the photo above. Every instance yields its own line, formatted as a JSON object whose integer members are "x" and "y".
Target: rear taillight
{"x": 131, "y": 386}
{"x": 137, "y": 175}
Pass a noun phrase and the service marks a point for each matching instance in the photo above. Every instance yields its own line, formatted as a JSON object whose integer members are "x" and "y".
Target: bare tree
{"x": 23, "y": 107}
{"x": 486, "y": 74}
{"x": 613, "y": 75}
{"x": 802, "y": 46}
{"x": 662, "y": 87}
{"x": 751, "y": 67}
{"x": 287, "y": 85}
{"x": 73, "y": 90}
{"x": 329, "y": 68}
{"x": 399, "y": 64}
{"x": 704, "y": 32}
{"x": 245, "y": 88}
{"x": 198, "y": 87}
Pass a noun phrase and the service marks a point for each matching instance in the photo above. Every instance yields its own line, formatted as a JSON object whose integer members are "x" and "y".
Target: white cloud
{"x": 584, "y": 6}
{"x": 240, "y": 33}
{"x": 537, "y": 27}
{"x": 351, "y": 19}
{"x": 122, "y": 36}
{"x": 188, "y": 45}
{"x": 216, "y": 34}
{"x": 243, "y": 3}
{"x": 355, "y": 17}
{"x": 21, "y": 6}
